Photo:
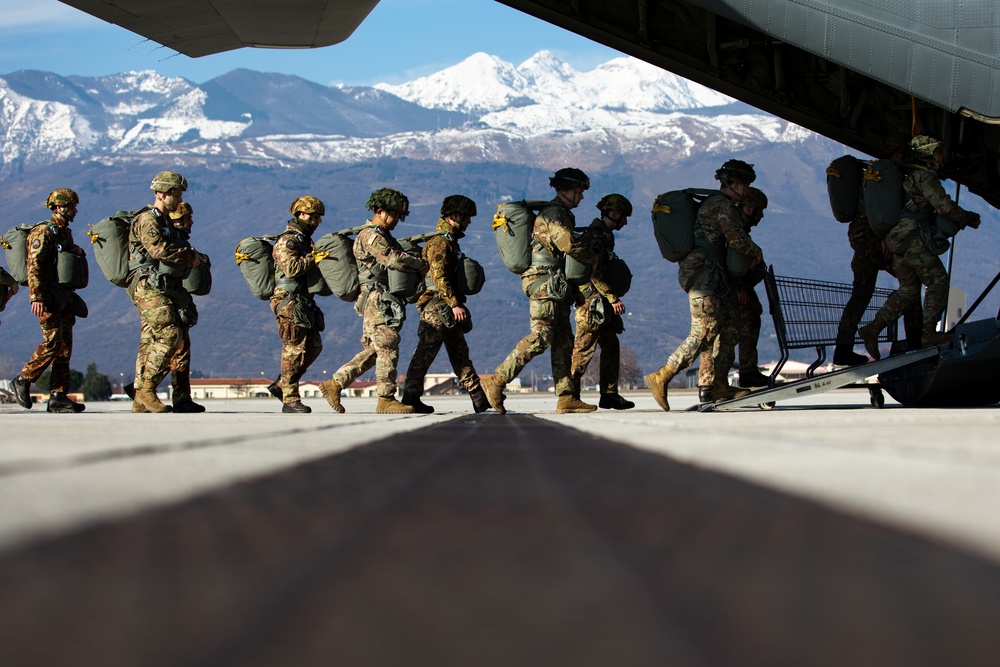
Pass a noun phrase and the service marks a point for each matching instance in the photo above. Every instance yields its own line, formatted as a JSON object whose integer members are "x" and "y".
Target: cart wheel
{"x": 767, "y": 406}
{"x": 878, "y": 399}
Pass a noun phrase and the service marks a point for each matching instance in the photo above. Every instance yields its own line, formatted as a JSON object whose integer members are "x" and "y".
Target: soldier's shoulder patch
{"x": 36, "y": 244}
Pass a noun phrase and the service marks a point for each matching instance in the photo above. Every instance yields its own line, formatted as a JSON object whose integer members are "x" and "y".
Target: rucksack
{"x": 674, "y": 214}
{"x": 15, "y": 245}
{"x": 513, "y": 228}
{"x": 109, "y": 238}
{"x": 883, "y": 191}
{"x": 339, "y": 270}
{"x": 843, "y": 186}
{"x": 409, "y": 285}
{"x": 253, "y": 256}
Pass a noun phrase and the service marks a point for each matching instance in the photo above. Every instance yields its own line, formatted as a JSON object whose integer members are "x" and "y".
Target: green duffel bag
{"x": 199, "y": 281}
{"x": 72, "y": 270}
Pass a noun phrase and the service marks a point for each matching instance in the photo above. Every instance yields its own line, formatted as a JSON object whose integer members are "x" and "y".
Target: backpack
{"x": 883, "y": 190}
{"x": 339, "y": 271}
{"x": 253, "y": 256}
{"x": 470, "y": 276}
{"x": 674, "y": 214}
{"x": 110, "y": 240}
{"x": 408, "y": 285}
{"x": 15, "y": 245}
{"x": 199, "y": 281}
{"x": 844, "y": 177}
{"x": 513, "y": 229}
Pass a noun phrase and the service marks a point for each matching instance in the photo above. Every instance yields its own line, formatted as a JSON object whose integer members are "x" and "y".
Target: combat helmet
{"x": 568, "y": 178}
{"x": 307, "y": 204}
{"x": 755, "y": 198}
{"x": 735, "y": 170}
{"x": 388, "y": 199}
{"x": 615, "y": 202}
{"x": 457, "y": 204}
{"x": 922, "y": 147}
{"x": 61, "y": 197}
{"x": 168, "y": 180}
{"x": 182, "y": 210}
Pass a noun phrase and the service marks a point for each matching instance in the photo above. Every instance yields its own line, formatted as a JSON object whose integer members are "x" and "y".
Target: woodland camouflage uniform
{"x": 437, "y": 324}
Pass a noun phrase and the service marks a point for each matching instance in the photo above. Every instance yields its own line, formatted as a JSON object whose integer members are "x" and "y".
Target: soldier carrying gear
{"x": 736, "y": 171}
{"x": 615, "y": 202}
{"x": 752, "y": 207}
{"x": 388, "y": 199}
{"x": 568, "y": 178}
{"x": 61, "y": 197}
{"x": 922, "y": 147}
{"x": 458, "y": 205}
{"x": 168, "y": 180}
{"x": 182, "y": 210}
{"x": 308, "y": 205}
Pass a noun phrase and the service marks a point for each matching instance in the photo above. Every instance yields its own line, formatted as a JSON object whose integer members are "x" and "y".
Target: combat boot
{"x": 722, "y": 391}
{"x": 479, "y": 401}
{"x": 614, "y": 402}
{"x": 705, "y": 395}
{"x": 275, "y": 390}
{"x": 567, "y": 404}
{"x": 933, "y": 337}
{"x": 138, "y": 407}
{"x": 187, "y": 405}
{"x": 494, "y": 393}
{"x": 418, "y": 406}
{"x": 754, "y": 378}
{"x": 388, "y": 405}
{"x": 22, "y": 392}
{"x": 130, "y": 390}
{"x": 60, "y": 402}
{"x": 295, "y": 407}
{"x": 331, "y": 392}
{"x": 657, "y": 383}
{"x": 147, "y": 398}
{"x": 843, "y": 355}
{"x": 869, "y": 336}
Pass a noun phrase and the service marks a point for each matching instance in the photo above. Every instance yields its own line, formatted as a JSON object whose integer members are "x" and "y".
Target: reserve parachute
{"x": 674, "y": 214}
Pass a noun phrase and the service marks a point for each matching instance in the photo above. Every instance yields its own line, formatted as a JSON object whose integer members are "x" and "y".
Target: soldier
{"x": 376, "y": 252}
{"x": 912, "y": 260}
{"x": 52, "y": 304}
{"x": 444, "y": 317}
{"x": 158, "y": 260}
{"x": 702, "y": 275}
{"x": 870, "y": 257}
{"x": 8, "y": 287}
{"x": 743, "y": 299}
{"x": 599, "y": 316}
{"x": 544, "y": 283}
{"x": 300, "y": 321}
{"x": 180, "y": 364}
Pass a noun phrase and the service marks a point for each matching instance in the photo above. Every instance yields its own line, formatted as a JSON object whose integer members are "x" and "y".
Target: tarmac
{"x": 821, "y": 532}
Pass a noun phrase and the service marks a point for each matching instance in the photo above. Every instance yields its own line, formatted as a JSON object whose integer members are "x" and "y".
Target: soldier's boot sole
{"x": 331, "y": 392}
{"x": 657, "y": 384}
{"x": 275, "y": 390}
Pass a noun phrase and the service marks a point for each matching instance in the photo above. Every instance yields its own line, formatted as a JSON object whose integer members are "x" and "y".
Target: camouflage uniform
{"x": 299, "y": 319}
{"x": 596, "y": 323}
{"x": 912, "y": 261}
{"x": 703, "y": 276}
{"x": 164, "y": 306}
{"x": 746, "y": 319}
{"x": 437, "y": 326}
{"x": 56, "y": 348}
{"x": 376, "y": 251}
{"x": 544, "y": 283}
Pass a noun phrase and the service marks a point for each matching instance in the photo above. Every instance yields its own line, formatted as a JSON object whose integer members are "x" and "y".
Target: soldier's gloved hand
{"x": 319, "y": 255}
{"x": 972, "y": 220}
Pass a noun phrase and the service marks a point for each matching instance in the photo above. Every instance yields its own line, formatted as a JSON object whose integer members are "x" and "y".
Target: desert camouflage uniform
{"x": 56, "y": 348}
{"x": 544, "y": 283}
{"x": 436, "y": 326}
{"x": 596, "y": 323}
{"x": 299, "y": 319}
{"x": 912, "y": 262}
{"x": 377, "y": 251}
{"x": 867, "y": 261}
{"x": 159, "y": 299}
{"x": 702, "y": 275}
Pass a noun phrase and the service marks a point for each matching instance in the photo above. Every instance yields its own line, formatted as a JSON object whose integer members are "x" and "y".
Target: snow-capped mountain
{"x": 540, "y": 112}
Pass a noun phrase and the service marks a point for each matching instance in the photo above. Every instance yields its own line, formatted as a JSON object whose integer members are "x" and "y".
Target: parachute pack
{"x": 844, "y": 177}
{"x": 470, "y": 276}
{"x": 513, "y": 228}
{"x": 339, "y": 271}
{"x": 71, "y": 270}
{"x": 674, "y": 214}
{"x": 109, "y": 238}
{"x": 883, "y": 190}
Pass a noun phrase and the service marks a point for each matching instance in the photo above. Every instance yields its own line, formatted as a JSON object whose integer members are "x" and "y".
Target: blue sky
{"x": 399, "y": 41}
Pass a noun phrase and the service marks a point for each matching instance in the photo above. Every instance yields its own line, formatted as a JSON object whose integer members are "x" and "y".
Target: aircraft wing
{"x": 203, "y": 27}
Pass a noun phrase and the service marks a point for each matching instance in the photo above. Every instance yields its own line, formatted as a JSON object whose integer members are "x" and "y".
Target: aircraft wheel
{"x": 767, "y": 406}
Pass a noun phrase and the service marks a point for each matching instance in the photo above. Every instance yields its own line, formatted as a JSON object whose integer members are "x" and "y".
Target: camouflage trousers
{"x": 745, "y": 319}
{"x": 55, "y": 349}
{"x": 707, "y": 326}
{"x": 431, "y": 334}
{"x": 179, "y": 364}
{"x": 589, "y": 334}
{"x": 865, "y": 265}
{"x": 300, "y": 346}
{"x": 914, "y": 265}
{"x": 550, "y": 328}
{"x": 379, "y": 348}
{"x": 159, "y": 337}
